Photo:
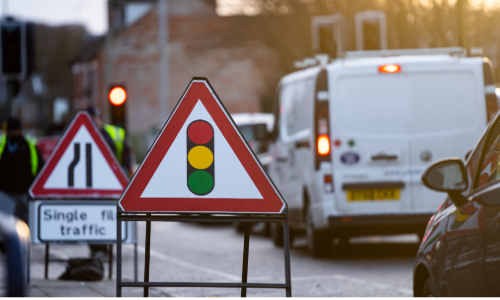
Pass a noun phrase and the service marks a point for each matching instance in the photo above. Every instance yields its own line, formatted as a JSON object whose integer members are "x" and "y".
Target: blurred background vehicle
{"x": 256, "y": 129}
{"x": 47, "y": 144}
{"x": 353, "y": 137}
{"x": 459, "y": 255}
{"x": 14, "y": 239}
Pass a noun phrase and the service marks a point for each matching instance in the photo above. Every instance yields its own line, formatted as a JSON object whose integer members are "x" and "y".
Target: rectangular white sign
{"x": 76, "y": 221}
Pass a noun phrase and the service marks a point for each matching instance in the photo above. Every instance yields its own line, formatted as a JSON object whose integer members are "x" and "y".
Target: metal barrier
{"x": 14, "y": 233}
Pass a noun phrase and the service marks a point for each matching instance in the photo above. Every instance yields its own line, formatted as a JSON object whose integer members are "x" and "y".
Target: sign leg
{"x": 286, "y": 237}
{"x": 136, "y": 263}
{"x": 47, "y": 261}
{"x": 146, "y": 256}
{"x": 28, "y": 258}
{"x": 244, "y": 274}
{"x": 110, "y": 258}
{"x": 118, "y": 256}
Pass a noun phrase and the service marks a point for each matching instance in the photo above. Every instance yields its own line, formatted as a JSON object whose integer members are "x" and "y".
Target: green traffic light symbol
{"x": 200, "y": 157}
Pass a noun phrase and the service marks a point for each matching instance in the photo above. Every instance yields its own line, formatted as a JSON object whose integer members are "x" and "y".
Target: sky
{"x": 90, "y": 13}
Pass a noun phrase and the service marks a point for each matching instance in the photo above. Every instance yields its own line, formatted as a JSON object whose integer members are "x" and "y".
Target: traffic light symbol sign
{"x": 200, "y": 157}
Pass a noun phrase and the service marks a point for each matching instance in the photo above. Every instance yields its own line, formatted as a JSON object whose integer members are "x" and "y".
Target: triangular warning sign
{"x": 200, "y": 162}
{"x": 81, "y": 166}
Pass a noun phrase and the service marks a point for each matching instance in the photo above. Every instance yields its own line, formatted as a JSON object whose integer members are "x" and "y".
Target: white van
{"x": 352, "y": 139}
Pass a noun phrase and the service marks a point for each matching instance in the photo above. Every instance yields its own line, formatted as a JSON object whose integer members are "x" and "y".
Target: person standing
{"x": 115, "y": 138}
{"x": 20, "y": 162}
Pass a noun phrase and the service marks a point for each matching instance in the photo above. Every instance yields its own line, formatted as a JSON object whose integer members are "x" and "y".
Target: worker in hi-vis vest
{"x": 115, "y": 138}
{"x": 20, "y": 162}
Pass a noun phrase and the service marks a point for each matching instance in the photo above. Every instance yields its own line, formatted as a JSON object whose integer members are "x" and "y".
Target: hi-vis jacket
{"x": 32, "y": 145}
{"x": 117, "y": 134}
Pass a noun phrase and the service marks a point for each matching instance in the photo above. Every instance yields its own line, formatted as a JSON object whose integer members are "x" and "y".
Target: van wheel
{"x": 318, "y": 241}
{"x": 277, "y": 235}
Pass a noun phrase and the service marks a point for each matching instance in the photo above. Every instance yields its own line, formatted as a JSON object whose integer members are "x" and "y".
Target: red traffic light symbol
{"x": 200, "y": 157}
{"x": 117, "y": 96}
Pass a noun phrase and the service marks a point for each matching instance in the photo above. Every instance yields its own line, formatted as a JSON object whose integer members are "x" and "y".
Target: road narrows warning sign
{"x": 201, "y": 163}
{"x": 81, "y": 166}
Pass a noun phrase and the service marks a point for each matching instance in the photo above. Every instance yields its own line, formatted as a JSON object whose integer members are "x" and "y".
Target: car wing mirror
{"x": 448, "y": 175}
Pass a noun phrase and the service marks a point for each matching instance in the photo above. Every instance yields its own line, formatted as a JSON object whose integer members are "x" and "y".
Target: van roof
{"x": 377, "y": 61}
{"x": 254, "y": 118}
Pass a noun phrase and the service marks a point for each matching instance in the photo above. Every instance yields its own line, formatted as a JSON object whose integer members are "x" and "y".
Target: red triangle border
{"x": 200, "y": 89}
{"x": 82, "y": 118}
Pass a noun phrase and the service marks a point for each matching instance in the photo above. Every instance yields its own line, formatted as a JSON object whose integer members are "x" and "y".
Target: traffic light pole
{"x": 10, "y": 86}
{"x": 227, "y": 218}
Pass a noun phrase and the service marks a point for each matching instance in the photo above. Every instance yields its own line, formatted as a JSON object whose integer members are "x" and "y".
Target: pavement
{"x": 52, "y": 287}
{"x": 66, "y": 288}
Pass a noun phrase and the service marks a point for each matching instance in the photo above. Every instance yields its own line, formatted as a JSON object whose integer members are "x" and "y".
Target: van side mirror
{"x": 448, "y": 175}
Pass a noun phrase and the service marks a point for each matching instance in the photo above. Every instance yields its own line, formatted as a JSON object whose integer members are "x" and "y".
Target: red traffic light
{"x": 117, "y": 96}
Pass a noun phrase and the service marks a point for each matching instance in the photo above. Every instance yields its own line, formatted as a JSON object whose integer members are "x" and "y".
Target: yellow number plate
{"x": 372, "y": 194}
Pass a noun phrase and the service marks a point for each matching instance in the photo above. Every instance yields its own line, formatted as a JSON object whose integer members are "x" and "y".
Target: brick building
{"x": 235, "y": 53}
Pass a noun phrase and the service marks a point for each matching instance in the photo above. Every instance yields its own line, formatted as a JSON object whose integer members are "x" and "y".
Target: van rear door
{"x": 449, "y": 114}
{"x": 371, "y": 115}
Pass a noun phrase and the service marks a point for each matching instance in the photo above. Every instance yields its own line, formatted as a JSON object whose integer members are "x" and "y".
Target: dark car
{"x": 460, "y": 252}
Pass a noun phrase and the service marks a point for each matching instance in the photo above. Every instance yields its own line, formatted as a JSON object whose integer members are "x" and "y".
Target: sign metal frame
{"x": 274, "y": 211}
{"x": 225, "y": 218}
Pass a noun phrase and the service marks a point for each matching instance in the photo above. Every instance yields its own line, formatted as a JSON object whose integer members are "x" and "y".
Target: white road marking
{"x": 323, "y": 277}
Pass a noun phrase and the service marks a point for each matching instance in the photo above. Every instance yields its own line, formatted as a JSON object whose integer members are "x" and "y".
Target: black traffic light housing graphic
{"x": 200, "y": 157}
{"x": 117, "y": 96}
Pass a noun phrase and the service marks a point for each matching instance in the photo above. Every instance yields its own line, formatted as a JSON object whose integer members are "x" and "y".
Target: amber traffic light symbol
{"x": 117, "y": 95}
{"x": 200, "y": 157}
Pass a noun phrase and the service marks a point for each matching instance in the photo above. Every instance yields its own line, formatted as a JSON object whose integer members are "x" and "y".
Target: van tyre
{"x": 319, "y": 242}
{"x": 277, "y": 235}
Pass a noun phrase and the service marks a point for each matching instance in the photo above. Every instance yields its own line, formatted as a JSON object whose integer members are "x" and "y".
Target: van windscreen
{"x": 407, "y": 103}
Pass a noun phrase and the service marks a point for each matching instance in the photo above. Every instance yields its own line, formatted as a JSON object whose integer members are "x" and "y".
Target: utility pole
{"x": 462, "y": 33}
{"x": 163, "y": 48}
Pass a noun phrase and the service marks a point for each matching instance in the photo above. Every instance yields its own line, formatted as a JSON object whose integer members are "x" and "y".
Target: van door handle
{"x": 303, "y": 144}
{"x": 384, "y": 157}
{"x": 282, "y": 159}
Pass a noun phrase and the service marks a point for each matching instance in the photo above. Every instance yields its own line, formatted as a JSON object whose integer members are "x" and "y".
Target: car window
{"x": 489, "y": 166}
{"x": 251, "y": 133}
{"x": 296, "y": 100}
